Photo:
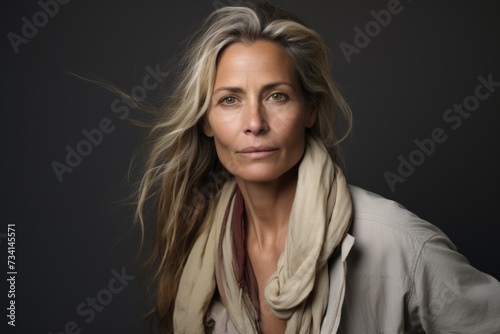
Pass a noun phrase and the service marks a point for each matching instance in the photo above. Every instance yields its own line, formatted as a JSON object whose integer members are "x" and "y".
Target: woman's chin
{"x": 262, "y": 174}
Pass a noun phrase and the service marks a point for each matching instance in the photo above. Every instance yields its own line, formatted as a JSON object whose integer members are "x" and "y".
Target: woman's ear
{"x": 311, "y": 116}
{"x": 207, "y": 129}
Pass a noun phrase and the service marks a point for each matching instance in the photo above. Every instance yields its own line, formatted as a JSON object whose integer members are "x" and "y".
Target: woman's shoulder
{"x": 405, "y": 261}
{"x": 375, "y": 215}
{"x": 388, "y": 238}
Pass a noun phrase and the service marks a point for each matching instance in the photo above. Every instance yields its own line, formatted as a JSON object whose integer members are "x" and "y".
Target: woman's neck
{"x": 268, "y": 207}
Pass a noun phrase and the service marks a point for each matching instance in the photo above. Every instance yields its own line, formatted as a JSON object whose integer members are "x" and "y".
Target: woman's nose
{"x": 255, "y": 120}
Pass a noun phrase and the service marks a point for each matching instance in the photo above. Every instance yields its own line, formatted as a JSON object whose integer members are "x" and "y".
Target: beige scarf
{"x": 298, "y": 290}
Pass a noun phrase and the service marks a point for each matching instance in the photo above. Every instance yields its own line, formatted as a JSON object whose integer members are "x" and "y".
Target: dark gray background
{"x": 71, "y": 235}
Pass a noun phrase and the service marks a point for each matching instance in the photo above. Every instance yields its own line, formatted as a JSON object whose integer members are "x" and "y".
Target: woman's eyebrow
{"x": 277, "y": 83}
{"x": 265, "y": 87}
{"x": 229, "y": 89}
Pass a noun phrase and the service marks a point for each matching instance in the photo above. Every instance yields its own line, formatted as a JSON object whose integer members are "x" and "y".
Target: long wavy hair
{"x": 182, "y": 172}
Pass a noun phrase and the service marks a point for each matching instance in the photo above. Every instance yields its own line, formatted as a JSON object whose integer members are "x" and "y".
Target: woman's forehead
{"x": 262, "y": 60}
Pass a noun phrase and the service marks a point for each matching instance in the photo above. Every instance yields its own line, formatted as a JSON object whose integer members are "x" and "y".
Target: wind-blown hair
{"x": 182, "y": 162}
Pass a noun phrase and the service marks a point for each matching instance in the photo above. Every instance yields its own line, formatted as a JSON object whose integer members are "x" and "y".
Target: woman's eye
{"x": 278, "y": 96}
{"x": 228, "y": 100}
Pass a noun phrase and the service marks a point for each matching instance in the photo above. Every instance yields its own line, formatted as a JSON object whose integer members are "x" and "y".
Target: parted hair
{"x": 181, "y": 161}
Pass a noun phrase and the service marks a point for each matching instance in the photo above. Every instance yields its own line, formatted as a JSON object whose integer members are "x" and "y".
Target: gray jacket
{"x": 396, "y": 273}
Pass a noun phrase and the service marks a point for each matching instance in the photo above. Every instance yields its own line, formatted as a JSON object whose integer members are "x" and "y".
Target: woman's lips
{"x": 257, "y": 151}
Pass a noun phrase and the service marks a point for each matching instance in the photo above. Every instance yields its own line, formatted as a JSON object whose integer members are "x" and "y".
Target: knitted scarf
{"x": 298, "y": 291}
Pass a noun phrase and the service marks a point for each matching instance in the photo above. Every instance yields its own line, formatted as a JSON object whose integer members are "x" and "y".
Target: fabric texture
{"x": 298, "y": 291}
{"x": 403, "y": 275}
{"x": 244, "y": 270}
{"x": 397, "y": 273}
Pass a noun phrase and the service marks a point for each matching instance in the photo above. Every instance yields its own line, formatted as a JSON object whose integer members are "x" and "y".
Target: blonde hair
{"x": 182, "y": 173}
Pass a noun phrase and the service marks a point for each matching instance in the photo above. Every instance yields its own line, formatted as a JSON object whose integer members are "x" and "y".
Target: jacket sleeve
{"x": 449, "y": 295}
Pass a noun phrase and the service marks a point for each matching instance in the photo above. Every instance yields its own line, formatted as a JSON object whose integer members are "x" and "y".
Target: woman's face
{"x": 257, "y": 113}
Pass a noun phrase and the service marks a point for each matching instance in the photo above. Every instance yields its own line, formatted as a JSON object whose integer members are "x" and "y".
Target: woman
{"x": 257, "y": 228}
